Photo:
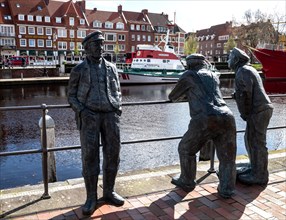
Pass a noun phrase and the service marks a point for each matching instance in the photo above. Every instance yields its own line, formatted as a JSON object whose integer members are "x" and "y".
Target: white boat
{"x": 150, "y": 64}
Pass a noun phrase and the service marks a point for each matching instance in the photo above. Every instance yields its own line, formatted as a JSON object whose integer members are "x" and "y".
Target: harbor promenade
{"x": 150, "y": 195}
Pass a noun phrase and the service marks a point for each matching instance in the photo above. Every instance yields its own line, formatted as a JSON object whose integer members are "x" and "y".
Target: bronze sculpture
{"x": 95, "y": 96}
{"x": 256, "y": 109}
{"x": 211, "y": 119}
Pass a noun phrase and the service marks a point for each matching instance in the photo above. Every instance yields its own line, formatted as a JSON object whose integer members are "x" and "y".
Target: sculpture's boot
{"x": 186, "y": 180}
{"x": 259, "y": 169}
{"x": 91, "y": 195}
{"x": 109, "y": 194}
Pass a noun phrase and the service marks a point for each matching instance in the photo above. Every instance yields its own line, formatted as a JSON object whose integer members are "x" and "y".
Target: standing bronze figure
{"x": 95, "y": 96}
{"x": 256, "y": 109}
{"x": 211, "y": 119}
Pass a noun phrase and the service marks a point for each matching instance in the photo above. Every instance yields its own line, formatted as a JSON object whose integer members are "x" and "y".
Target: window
{"x": 143, "y": 27}
{"x": 7, "y": 17}
{"x": 40, "y": 43}
{"x": 109, "y": 47}
{"x": 144, "y": 37}
{"x": 40, "y": 30}
{"x": 137, "y": 27}
{"x": 109, "y": 25}
{"x": 119, "y": 25}
{"x": 2, "y": 5}
{"x": 58, "y": 20}
{"x": 138, "y": 37}
{"x": 82, "y": 21}
{"x": 97, "y": 24}
{"x": 148, "y": 28}
{"x": 48, "y": 31}
{"x": 7, "y": 30}
{"x": 71, "y": 33}
{"x": 121, "y": 37}
{"x": 49, "y": 43}
{"x": 156, "y": 38}
{"x": 23, "y": 43}
{"x": 133, "y": 37}
{"x": 71, "y": 21}
{"x": 47, "y": 19}
{"x": 22, "y": 30}
{"x": 21, "y": 17}
{"x": 132, "y": 27}
{"x": 223, "y": 37}
{"x": 79, "y": 46}
{"x": 81, "y": 33}
{"x": 31, "y": 30}
{"x": 40, "y": 8}
{"x": 32, "y": 43}
{"x": 39, "y": 18}
{"x": 62, "y": 33}
{"x": 30, "y": 18}
{"x": 218, "y": 45}
{"x": 62, "y": 45}
{"x": 71, "y": 45}
{"x": 110, "y": 37}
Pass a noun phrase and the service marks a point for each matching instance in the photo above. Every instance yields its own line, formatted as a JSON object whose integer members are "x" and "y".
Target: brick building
{"x": 53, "y": 30}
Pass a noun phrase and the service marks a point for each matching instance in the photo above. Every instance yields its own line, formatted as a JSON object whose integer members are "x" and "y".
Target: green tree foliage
{"x": 230, "y": 44}
{"x": 190, "y": 45}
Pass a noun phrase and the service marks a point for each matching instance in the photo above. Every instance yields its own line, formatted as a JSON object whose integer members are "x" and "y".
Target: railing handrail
{"x": 44, "y": 149}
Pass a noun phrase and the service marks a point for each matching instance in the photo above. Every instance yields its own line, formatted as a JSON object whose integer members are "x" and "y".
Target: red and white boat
{"x": 150, "y": 64}
{"x": 273, "y": 60}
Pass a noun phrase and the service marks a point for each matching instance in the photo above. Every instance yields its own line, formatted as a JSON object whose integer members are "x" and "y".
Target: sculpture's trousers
{"x": 255, "y": 143}
{"x": 104, "y": 125}
{"x": 222, "y": 130}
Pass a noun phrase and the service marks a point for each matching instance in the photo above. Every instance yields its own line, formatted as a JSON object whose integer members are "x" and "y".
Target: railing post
{"x": 45, "y": 154}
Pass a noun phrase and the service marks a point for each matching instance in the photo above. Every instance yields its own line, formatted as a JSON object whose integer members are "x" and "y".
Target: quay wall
{"x": 16, "y": 72}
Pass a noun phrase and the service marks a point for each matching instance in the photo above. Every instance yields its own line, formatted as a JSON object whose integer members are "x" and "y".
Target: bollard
{"x": 50, "y": 138}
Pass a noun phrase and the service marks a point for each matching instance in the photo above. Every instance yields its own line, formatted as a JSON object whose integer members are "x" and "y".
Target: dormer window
{"x": 39, "y": 8}
{"x": 30, "y": 18}
{"x": 119, "y": 25}
{"x": 39, "y": 18}
{"x": 47, "y": 19}
{"x": 2, "y": 5}
{"x": 132, "y": 27}
{"x": 109, "y": 25}
{"x": 58, "y": 20}
{"x": 21, "y": 17}
{"x": 97, "y": 24}
{"x": 18, "y": 5}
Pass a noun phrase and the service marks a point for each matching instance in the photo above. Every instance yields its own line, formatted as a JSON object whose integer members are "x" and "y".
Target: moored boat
{"x": 273, "y": 60}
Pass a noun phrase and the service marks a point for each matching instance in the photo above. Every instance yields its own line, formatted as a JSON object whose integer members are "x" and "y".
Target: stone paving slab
{"x": 150, "y": 195}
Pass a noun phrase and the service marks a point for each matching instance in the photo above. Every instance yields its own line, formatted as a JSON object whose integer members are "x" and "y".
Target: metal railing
{"x": 44, "y": 150}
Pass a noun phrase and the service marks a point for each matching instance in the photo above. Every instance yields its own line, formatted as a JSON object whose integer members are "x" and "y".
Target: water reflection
{"x": 19, "y": 130}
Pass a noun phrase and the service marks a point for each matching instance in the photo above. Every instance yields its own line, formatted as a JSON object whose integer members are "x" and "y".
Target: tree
{"x": 191, "y": 44}
{"x": 230, "y": 44}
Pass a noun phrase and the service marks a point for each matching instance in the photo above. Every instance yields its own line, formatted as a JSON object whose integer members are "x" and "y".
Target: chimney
{"x": 120, "y": 8}
{"x": 94, "y": 9}
{"x": 47, "y": 2}
{"x": 145, "y": 11}
{"x": 81, "y": 4}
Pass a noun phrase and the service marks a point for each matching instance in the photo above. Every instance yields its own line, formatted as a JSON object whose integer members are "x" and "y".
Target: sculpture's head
{"x": 93, "y": 45}
{"x": 196, "y": 61}
{"x": 237, "y": 57}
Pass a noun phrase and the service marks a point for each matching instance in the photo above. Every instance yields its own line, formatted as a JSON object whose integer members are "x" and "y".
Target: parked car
{"x": 17, "y": 61}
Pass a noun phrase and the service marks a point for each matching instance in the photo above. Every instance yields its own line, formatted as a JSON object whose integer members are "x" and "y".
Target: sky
{"x": 192, "y": 15}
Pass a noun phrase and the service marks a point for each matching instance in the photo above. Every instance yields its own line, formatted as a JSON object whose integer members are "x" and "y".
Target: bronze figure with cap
{"x": 95, "y": 96}
{"x": 256, "y": 109}
{"x": 211, "y": 119}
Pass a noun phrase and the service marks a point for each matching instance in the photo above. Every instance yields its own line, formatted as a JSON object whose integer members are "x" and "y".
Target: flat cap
{"x": 96, "y": 35}
{"x": 240, "y": 54}
{"x": 195, "y": 56}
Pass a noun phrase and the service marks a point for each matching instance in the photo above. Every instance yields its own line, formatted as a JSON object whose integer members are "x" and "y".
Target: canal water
{"x": 19, "y": 130}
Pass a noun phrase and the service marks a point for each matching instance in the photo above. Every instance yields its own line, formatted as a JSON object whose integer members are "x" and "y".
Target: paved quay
{"x": 150, "y": 195}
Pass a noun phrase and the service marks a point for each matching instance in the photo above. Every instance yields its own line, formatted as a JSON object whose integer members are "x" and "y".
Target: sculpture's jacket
{"x": 80, "y": 84}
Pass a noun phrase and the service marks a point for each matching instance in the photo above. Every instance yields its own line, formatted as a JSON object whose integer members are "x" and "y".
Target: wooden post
{"x": 50, "y": 128}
